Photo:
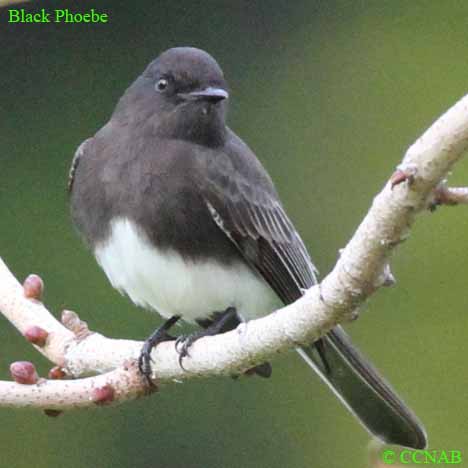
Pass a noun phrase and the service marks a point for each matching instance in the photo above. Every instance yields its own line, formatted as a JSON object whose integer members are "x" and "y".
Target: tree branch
{"x": 451, "y": 196}
{"x": 361, "y": 269}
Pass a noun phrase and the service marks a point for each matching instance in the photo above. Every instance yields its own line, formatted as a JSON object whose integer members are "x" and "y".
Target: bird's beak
{"x": 208, "y": 94}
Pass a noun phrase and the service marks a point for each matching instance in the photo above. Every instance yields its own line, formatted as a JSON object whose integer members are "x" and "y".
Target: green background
{"x": 329, "y": 94}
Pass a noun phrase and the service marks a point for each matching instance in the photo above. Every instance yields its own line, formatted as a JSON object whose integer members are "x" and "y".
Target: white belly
{"x": 167, "y": 283}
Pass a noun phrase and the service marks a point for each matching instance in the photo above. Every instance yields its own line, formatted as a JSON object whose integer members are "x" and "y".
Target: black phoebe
{"x": 184, "y": 219}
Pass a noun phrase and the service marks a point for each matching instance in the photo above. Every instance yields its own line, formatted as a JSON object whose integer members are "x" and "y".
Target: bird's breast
{"x": 163, "y": 280}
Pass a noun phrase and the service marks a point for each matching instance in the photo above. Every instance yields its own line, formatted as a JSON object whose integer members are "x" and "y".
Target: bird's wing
{"x": 252, "y": 217}
{"x": 76, "y": 160}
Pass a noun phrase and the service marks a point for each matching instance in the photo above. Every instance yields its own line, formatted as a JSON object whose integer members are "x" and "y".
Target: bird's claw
{"x": 144, "y": 363}
{"x": 183, "y": 344}
{"x": 158, "y": 336}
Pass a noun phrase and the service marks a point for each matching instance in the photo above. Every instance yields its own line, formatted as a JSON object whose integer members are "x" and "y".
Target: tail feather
{"x": 363, "y": 391}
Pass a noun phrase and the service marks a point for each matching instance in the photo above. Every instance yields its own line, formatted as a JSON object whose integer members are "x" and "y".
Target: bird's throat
{"x": 203, "y": 123}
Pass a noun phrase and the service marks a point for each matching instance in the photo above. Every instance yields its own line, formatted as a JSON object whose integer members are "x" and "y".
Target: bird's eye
{"x": 162, "y": 85}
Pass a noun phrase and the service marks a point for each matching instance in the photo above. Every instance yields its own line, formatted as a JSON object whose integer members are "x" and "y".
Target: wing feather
{"x": 75, "y": 161}
{"x": 254, "y": 220}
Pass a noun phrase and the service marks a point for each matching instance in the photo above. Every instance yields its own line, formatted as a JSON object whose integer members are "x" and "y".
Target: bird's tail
{"x": 363, "y": 391}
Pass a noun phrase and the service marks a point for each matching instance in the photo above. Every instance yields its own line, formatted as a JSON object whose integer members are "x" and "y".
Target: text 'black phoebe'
{"x": 183, "y": 218}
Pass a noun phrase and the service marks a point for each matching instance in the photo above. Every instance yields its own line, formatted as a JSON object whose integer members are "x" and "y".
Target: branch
{"x": 450, "y": 196}
{"x": 361, "y": 269}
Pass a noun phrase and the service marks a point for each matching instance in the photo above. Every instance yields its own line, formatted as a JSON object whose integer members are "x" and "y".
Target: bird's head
{"x": 182, "y": 94}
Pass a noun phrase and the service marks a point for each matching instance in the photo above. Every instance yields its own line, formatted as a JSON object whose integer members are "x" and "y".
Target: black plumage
{"x": 167, "y": 162}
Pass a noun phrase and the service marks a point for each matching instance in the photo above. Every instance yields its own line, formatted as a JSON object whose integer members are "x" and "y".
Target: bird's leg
{"x": 220, "y": 322}
{"x": 158, "y": 336}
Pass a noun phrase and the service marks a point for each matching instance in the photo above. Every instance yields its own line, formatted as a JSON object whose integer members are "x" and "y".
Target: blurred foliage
{"x": 4, "y": 3}
{"x": 329, "y": 94}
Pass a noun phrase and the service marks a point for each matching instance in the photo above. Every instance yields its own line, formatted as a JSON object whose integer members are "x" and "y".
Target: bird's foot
{"x": 184, "y": 342}
{"x": 158, "y": 336}
{"x": 262, "y": 370}
{"x": 222, "y": 322}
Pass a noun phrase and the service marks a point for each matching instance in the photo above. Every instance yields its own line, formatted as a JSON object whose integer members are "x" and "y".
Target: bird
{"x": 185, "y": 220}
